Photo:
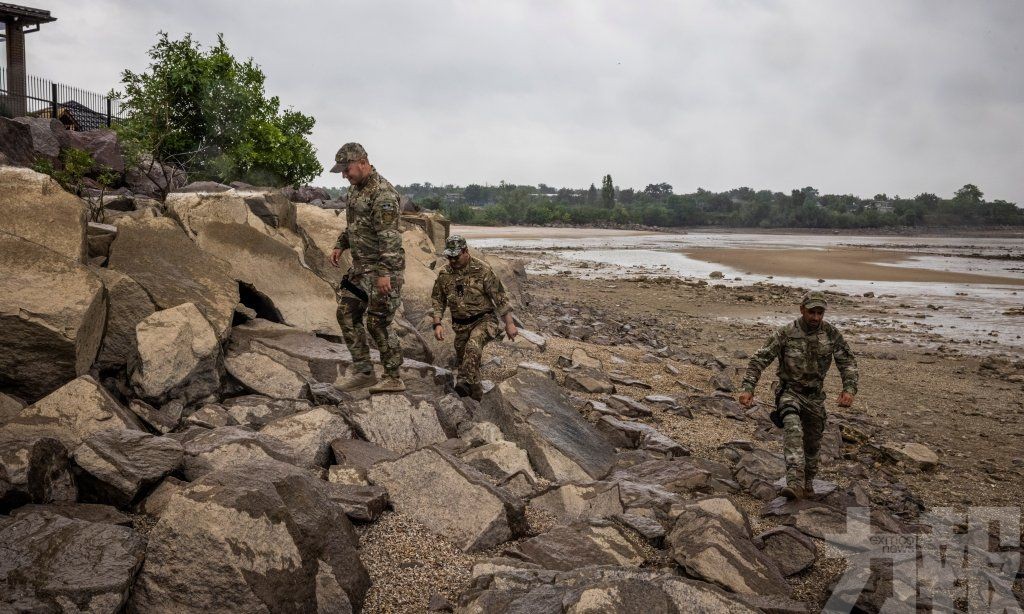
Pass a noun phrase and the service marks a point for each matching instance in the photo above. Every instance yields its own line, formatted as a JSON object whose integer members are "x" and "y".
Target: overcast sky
{"x": 858, "y": 97}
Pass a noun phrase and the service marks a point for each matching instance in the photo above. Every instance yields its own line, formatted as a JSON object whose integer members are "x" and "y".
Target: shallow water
{"x": 972, "y": 312}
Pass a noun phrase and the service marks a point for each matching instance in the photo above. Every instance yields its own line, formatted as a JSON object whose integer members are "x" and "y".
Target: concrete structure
{"x": 17, "y": 21}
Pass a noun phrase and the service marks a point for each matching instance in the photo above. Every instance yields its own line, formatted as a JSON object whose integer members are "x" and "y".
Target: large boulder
{"x": 128, "y": 304}
{"x": 310, "y": 433}
{"x": 255, "y": 537}
{"x": 571, "y": 502}
{"x": 101, "y": 144}
{"x": 178, "y": 356}
{"x": 117, "y": 464}
{"x": 580, "y": 545}
{"x": 157, "y": 254}
{"x": 15, "y": 143}
{"x": 56, "y": 564}
{"x": 267, "y": 259}
{"x": 70, "y": 414}
{"x": 34, "y": 468}
{"x": 262, "y": 374}
{"x": 46, "y": 133}
{"x": 256, "y": 411}
{"x": 450, "y": 498}
{"x": 535, "y": 413}
{"x": 34, "y": 207}
{"x": 154, "y": 179}
{"x": 394, "y": 422}
{"x": 232, "y": 446}
{"x": 52, "y": 312}
{"x": 321, "y": 228}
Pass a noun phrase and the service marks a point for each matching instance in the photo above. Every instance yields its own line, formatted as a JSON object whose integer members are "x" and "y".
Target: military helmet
{"x": 454, "y": 246}
{"x": 349, "y": 152}
{"x": 814, "y": 298}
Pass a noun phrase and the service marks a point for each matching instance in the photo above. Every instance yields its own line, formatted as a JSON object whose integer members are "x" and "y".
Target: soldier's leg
{"x": 481, "y": 333}
{"x": 379, "y": 315}
{"x": 813, "y": 418}
{"x": 792, "y": 439}
{"x": 350, "y": 317}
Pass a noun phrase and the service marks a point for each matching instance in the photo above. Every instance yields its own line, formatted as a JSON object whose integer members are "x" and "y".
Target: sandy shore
{"x": 532, "y": 232}
{"x": 843, "y": 263}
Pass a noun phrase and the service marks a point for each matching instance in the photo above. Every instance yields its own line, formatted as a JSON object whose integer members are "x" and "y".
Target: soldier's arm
{"x": 389, "y": 256}
{"x": 846, "y": 362}
{"x": 760, "y": 361}
{"x": 342, "y": 242}
{"x": 438, "y": 300}
{"x": 496, "y": 292}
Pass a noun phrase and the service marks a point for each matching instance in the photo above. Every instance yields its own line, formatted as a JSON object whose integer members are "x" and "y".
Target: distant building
{"x": 881, "y": 206}
{"x": 75, "y": 116}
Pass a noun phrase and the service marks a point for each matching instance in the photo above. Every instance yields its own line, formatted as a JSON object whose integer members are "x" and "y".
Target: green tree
{"x": 607, "y": 192}
{"x": 204, "y": 111}
{"x": 968, "y": 195}
{"x": 592, "y": 196}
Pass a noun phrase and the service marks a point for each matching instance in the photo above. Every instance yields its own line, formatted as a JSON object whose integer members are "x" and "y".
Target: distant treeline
{"x": 658, "y": 205}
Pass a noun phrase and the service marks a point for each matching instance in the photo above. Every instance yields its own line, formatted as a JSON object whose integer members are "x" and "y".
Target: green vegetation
{"x": 657, "y": 205}
{"x": 75, "y": 166}
{"x": 208, "y": 113}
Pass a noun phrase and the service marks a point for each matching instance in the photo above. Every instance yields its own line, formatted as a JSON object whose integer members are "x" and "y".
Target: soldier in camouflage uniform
{"x": 477, "y": 299}
{"x": 805, "y": 349}
{"x": 371, "y": 288}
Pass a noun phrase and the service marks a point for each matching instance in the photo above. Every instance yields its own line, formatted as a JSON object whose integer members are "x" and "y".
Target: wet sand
{"x": 842, "y": 263}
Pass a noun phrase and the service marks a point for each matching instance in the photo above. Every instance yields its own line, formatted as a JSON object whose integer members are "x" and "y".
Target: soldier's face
{"x": 461, "y": 260}
{"x": 356, "y": 172}
{"x": 812, "y": 317}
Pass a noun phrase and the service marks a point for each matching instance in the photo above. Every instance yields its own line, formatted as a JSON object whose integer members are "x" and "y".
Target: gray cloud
{"x": 860, "y": 97}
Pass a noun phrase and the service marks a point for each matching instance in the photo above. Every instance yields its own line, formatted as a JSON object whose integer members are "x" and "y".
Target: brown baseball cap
{"x": 349, "y": 152}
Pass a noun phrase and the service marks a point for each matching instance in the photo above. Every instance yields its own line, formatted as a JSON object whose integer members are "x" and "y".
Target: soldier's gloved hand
{"x": 746, "y": 399}
{"x": 511, "y": 331}
{"x": 845, "y": 399}
{"x": 384, "y": 285}
{"x": 335, "y": 255}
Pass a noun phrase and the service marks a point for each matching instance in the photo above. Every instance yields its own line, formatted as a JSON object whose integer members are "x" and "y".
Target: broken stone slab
{"x": 35, "y": 208}
{"x": 163, "y": 420}
{"x": 360, "y": 454}
{"x": 453, "y": 414}
{"x": 99, "y": 237}
{"x": 178, "y": 357}
{"x": 258, "y": 517}
{"x": 231, "y": 446}
{"x": 88, "y": 512}
{"x": 580, "y": 544}
{"x": 128, "y": 304}
{"x": 538, "y": 367}
{"x": 361, "y": 503}
{"x": 396, "y": 423}
{"x": 256, "y": 411}
{"x": 34, "y": 468}
{"x": 648, "y": 528}
{"x": 157, "y": 254}
{"x": 499, "y": 459}
{"x": 211, "y": 416}
{"x": 791, "y": 550}
{"x": 580, "y": 358}
{"x": 913, "y": 455}
{"x": 628, "y": 406}
{"x": 723, "y": 406}
{"x": 56, "y": 564}
{"x": 627, "y": 380}
{"x": 639, "y": 435}
{"x": 533, "y": 338}
{"x": 721, "y": 508}
{"x": 154, "y": 504}
{"x": 571, "y": 502}
{"x": 347, "y": 474}
{"x": 310, "y": 433}
{"x": 678, "y": 475}
{"x": 117, "y": 464}
{"x": 583, "y": 382}
{"x": 713, "y": 549}
{"x": 450, "y": 499}
{"x": 71, "y": 413}
{"x": 481, "y": 433}
{"x": 52, "y": 313}
{"x": 661, "y": 400}
{"x": 266, "y": 376}
{"x": 533, "y": 412}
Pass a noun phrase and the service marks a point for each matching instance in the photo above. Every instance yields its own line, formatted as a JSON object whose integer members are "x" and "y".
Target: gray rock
{"x": 499, "y": 459}
{"x": 35, "y": 208}
{"x": 260, "y": 536}
{"x": 453, "y": 414}
{"x": 128, "y": 305}
{"x": 791, "y": 550}
{"x": 119, "y": 463}
{"x": 154, "y": 179}
{"x": 52, "y": 312}
{"x": 34, "y": 468}
{"x": 580, "y": 545}
{"x": 154, "y": 504}
{"x": 637, "y": 435}
{"x": 717, "y": 405}
{"x": 580, "y": 358}
{"x": 649, "y": 528}
{"x": 360, "y": 454}
{"x": 89, "y": 512}
{"x": 99, "y": 237}
{"x": 310, "y": 433}
{"x": 394, "y": 422}
{"x": 163, "y": 420}
{"x": 211, "y": 416}
{"x": 628, "y": 406}
{"x": 179, "y": 356}
{"x": 533, "y": 412}
{"x": 157, "y": 254}
{"x": 544, "y": 370}
{"x": 266, "y": 376}
{"x": 44, "y": 131}
{"x": 588, "y": 383}
{"x": 56, "y": 564}
{"x": 571, "y": 502}
{"x": 361, "y": 503}
{"x": 231, "y": 446}
{"x": 450, "y": 499}
{"x": 256, "y": 411}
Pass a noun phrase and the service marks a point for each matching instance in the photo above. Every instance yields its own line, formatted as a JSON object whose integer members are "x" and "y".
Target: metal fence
{"x": 76, "y": 108}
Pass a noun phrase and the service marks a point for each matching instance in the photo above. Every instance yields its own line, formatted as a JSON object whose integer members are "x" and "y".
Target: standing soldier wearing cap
{"x": 372, "y": 286}
{"x": 805, "y": 349}
{"x": 476, "y": 297}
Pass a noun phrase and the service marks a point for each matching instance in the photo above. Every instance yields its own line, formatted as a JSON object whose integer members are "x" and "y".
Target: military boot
{"x": 390, "y": 383}
{"x": 355, "y": 381}
{"x": 476, "y": 392}
{"x": 792, "y": 492}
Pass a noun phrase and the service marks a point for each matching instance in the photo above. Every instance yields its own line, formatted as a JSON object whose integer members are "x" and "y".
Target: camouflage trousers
{"x": 365, "y": 302}
{"x": 803, "y": 419}
{"x": 470, "y": 340}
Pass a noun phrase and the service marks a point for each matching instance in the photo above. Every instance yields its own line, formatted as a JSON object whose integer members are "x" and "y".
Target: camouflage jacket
{"x": 804, "y": 357}
{"x": 373, "y": 233}
{"x": 469, "y": 291}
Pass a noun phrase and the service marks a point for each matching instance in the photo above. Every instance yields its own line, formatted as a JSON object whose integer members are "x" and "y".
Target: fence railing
{"x": 76, "y": 108}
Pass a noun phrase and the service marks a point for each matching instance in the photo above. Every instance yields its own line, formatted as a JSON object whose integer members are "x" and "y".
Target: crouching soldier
{"x": 477, "y": 299}
{"x": 805, "y": 349}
